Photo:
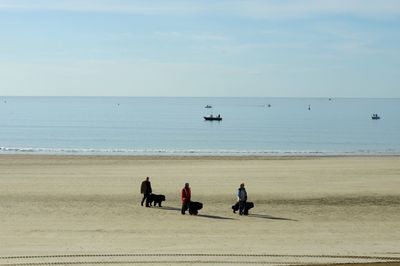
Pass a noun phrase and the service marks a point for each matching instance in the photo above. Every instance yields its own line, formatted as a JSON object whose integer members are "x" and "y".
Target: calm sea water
{"x": 175, "y": 126}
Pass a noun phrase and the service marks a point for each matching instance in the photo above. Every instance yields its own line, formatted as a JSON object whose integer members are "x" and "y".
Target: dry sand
{"x": 307, "y": 210}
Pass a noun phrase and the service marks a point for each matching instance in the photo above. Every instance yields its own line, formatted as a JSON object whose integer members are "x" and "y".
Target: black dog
{"x": 157, "y": 199}
{"x": 248, "y": 206}
{"x": 194, "y": 207}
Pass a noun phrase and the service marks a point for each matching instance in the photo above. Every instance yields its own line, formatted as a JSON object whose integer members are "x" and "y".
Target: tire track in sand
{"x": 187, "y": 258}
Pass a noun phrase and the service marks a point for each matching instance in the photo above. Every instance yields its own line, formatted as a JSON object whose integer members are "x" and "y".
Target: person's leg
{"x": 245, "y": 210}
{"x": 241, "y": 207}
{"x": 144, "y": 197}
{"x": 244, "y": 207}
{"x": 147, "y": 200}
{"x": 185, "y": 207}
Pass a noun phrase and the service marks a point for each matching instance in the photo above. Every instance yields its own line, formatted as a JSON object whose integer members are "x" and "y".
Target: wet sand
{"x": 307, "y": 210}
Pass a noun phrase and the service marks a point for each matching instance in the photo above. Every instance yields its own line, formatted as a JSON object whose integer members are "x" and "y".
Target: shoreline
{"x": 190, "y": 152}
{"x": 205, "y": 157}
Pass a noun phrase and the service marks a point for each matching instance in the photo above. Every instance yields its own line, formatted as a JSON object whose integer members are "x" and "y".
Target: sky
{"x": 208, "y": 48}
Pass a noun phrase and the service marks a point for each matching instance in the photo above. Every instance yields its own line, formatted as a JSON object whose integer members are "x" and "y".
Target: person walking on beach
{"x": 242, "y": 198}
{"x": 145, "y": 189}
{"x": 185, "y": 196}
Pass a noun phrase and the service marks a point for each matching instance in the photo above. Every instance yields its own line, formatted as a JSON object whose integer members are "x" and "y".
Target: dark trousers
{"x": 145, "y": 197}
{"x": 242, "y": 206}
{"x": 185, "y": 207}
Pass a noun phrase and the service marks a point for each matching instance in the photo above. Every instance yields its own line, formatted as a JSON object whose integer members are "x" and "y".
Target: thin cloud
{"x": 289, "y": 9}
{"x": 201, "y": 37}
{"x": 168, "y": 34}
{"x": 209, "y": 37}
{"x": 105, "y": 6}
{"x": 254, "y": 9}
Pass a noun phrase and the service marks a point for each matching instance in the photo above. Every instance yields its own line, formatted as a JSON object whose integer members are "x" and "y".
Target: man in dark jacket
{"x": 145, "y": 189}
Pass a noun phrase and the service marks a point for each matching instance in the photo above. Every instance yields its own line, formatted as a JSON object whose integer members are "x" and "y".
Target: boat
{"x": 375, "y": 117}
{"x": 213, "y": 118}
{"x": 208, "y": 106}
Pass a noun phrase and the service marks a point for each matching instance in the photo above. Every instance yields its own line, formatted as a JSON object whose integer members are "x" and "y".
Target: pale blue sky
{"x": 288, "y": 48}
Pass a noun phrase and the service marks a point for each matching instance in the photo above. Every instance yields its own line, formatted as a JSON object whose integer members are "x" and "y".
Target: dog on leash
{"x": 194, "y": 207}
{"x": 157, "y": 199}
{"x": 248, "y": 206}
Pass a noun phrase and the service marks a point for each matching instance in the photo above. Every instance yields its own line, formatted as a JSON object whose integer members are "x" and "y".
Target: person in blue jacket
{"x": 242, "y": 198}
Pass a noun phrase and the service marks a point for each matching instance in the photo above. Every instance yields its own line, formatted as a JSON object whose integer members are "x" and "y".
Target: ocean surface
{"x": 175, "y": 126}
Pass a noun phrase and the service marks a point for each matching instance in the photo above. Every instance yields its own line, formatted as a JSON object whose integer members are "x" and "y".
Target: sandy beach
{"x": 307, "y": 210}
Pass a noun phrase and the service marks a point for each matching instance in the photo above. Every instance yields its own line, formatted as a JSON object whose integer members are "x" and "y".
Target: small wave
{"x": 188, "y": 152}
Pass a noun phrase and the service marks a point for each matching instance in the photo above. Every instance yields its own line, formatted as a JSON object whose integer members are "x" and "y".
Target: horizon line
{"x": 132, "y": 96}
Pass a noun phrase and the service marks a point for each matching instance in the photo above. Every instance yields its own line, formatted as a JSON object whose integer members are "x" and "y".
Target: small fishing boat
{"x": 213, "y": 118}
{"x": 208, "y": 106}
{"x": 375, "y": 117}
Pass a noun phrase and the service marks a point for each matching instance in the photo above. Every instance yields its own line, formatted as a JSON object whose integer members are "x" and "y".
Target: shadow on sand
{"x": 167, "y": 208}
{"x": 265, "y": 216}
{"x": 215, "y": 217}
{"x": 255, "y": 215}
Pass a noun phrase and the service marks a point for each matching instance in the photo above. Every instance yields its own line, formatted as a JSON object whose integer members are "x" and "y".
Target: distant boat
{"x": 375, "y": 117}
{"x": 309, "y": 107}
{"x": 268, "y": 105}
{"x": 208, "y": 106}
{"x": 213, "y": 118}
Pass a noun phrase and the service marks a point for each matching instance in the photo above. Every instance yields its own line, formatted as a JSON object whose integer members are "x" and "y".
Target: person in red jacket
{"x": 185, "y": 196}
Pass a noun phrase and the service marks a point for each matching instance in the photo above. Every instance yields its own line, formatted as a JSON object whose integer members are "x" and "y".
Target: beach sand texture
{"x": 307, "y": 210}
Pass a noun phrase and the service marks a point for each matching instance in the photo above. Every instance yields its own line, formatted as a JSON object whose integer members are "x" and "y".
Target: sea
{"x": 176, "y": 126}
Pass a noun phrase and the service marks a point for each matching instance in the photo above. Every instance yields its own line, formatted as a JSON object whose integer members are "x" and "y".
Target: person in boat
{"x": 219, "y": 116}
{"x": 242, "y": 198}
{"x": 146, "y": 190}
{"x": 185, "y": 197}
